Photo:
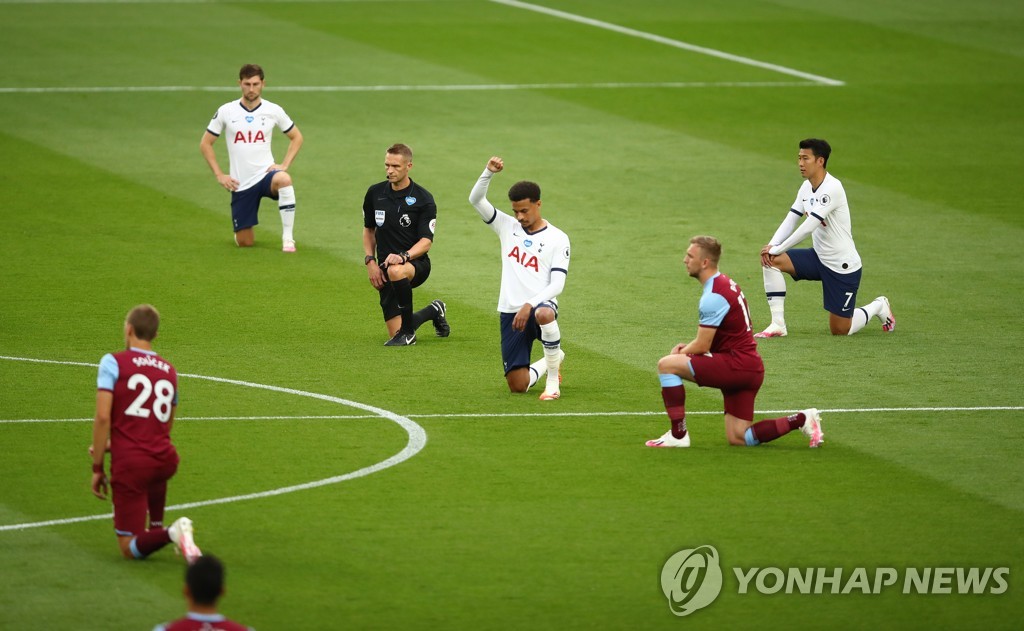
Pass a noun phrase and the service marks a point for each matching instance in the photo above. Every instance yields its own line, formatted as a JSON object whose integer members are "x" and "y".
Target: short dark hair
{"x": 398, "y": 149}
{"x": 711, "y": 246}
{"x": 524, "y": 190}
{"x": 250, "y": 70}
{"x": 145, "y": 321}
{"x": 205, "y": 580}
{"x": 820, "y": 148}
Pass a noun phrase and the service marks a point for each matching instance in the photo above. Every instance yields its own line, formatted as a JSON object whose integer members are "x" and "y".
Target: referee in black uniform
{"x": 399, "y": 217}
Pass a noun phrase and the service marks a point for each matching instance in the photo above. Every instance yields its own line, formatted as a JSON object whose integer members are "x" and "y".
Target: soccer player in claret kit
{"x": 204, "y": 585}
{"x": 534, "y": 266}
{"x": 724, "y": 356}
{"x": 248, "y": 129}
{"x": 137, "y": 393}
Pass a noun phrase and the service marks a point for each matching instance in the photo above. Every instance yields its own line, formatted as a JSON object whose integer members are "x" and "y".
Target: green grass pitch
{"x": 515, "y": 514}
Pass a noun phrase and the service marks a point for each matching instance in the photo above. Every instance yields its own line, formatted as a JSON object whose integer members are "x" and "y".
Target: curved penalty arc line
{"x": 417, "y": 441}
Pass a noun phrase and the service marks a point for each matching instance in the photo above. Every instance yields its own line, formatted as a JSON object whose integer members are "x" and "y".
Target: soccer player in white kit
{"x": 534, "y": 265}
{"x": 833, "y": 259}
{"x": 248, "y": 128}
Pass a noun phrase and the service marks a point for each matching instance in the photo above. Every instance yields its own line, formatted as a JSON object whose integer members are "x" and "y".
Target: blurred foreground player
{"x": 724, "y": 356}
{"x": 204, "y": 585}
{"x": 136, "y": 396}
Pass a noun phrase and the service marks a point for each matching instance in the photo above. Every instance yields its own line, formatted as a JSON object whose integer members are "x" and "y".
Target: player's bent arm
{"x": 373, "y": 270}
{"x": 420, "y": 248}
{"x": 369, "y": 241}
{"x": 553, "y": 289}
{"x": 101, "y": 425}
{"x": 786, "y": 227}
{"x": 294, "y": 144}
{"x": 417, "y": 250}
{"x": 702, "y": 343}
{"x": 100, "y": 436}
{"x": 806, "y": 228}
{"x": 206, "y": 148}
{"x": 478, "y": 197}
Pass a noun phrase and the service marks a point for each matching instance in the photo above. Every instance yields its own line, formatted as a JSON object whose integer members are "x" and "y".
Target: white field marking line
{"x": 417, "y": 441}
{"x": 572, "y": 17}
{"x": 469, "y": 87}
{"x": 350, "y": 417}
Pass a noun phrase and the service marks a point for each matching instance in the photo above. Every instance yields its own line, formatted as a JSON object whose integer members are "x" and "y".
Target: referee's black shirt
{"x": 400, "y": 218}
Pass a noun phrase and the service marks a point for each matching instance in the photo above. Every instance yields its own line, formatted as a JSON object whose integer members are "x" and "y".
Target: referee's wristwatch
{"x": 368, "y": 258}
{"x": 405, "y": 256}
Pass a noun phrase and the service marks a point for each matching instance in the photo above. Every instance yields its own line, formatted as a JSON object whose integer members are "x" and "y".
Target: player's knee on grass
{"x": 518, "y": 380}
{"x": 839, "y": 325}
{"x": 736, "y": 431}
{"x": 245, "y": 238}
{"x": 125, "y": 543}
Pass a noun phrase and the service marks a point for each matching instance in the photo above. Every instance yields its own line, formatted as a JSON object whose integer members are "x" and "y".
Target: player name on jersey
{"x": 153, "y": 362}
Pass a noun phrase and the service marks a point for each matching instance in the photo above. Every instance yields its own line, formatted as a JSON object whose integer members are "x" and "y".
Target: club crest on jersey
{"x": 405, "y": 221}
{"x": 524, "y": 258}
{"x": 378, "y": 217}
{"x": 410, "y": 200}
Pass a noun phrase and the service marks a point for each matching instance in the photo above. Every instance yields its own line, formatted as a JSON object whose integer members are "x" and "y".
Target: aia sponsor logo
{"x": 524, "y": 258}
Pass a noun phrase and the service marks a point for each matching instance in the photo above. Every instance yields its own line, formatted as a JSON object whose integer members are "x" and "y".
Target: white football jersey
{"x": 833, "y": 238}
{"x": 248, "y": 135}
{"x": 527, "y": 260}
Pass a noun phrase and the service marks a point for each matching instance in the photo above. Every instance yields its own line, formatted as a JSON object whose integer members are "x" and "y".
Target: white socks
{"x": 551, "y": 338}
{"x": 775, "y": 290}
{"x": 286, "y": 204}
{"x": 863, "y": 315}
{"x": 537, "y": 369}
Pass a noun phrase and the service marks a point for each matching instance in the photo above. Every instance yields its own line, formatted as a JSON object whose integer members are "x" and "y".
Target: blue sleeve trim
{"x": 289, "y": 129}
{"x": 818, "y": 217}
{"x": 559, "y": 269}
{"x": 108, "y": 373}
{"x": 493, "y": 217}
{"x": 211, "y": 132}
{"x": 796, "y": 212}
{"x": 713, "y": 309}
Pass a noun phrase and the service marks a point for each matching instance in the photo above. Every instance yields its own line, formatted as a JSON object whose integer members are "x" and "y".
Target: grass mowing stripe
{"x": 711, "y": 52}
